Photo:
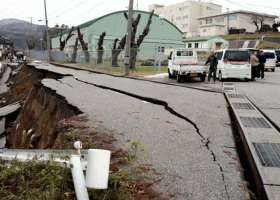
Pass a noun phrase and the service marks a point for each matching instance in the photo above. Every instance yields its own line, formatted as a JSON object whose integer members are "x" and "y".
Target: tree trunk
{"x": 74, "y": 56}
{"x": 100, "y": 56}
{"x": 115, "y": 55}
{"x": 133, "y": 57}
{"x": 87, "y": 56}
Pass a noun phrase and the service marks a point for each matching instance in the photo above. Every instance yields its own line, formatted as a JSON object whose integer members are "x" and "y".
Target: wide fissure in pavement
{"x": 206, "y": 141}
{"x": 35, "y": 125}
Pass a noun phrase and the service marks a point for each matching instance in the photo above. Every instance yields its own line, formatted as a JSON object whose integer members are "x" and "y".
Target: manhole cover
{"x": 228, "y": 88}
{"x": 228, "y": 83}
{"x": 269, "y": 153}
{"x": 237, "y": 96}
{"x": 254, "y": 122}
{"x": 245, "y": 106}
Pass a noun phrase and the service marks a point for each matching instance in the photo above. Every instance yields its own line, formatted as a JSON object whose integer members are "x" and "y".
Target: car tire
{"x": 247, "y": 80}
{"x": 221, "y": 77}
{"x": 202, "y": 78}
{"x": 273, "y": 70}
{"x": 169, "y": 74}
{"x": 178, "y": 77}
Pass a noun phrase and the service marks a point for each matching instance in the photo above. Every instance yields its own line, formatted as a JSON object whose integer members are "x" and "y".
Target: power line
{"x": 69, "y": 10}
{"x": 259, "y": 5}
{"x": 62, "y": 7}
{"x": 87, "y": 11}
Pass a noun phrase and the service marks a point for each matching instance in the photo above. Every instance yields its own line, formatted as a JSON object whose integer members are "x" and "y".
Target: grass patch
{"x": 253, "y": 36}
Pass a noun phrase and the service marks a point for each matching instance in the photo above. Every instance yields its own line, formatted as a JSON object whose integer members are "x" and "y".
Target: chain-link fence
{"x": 110, "y": 60}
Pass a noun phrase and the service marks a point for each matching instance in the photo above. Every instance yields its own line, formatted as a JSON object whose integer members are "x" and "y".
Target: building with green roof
{"x": 115, "y": 24}
{"x": 206, "y": 43}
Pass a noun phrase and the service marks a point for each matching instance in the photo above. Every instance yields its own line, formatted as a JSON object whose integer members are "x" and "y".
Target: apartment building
{"x": 216, "y": 24}
{"x": 185, "y": 14}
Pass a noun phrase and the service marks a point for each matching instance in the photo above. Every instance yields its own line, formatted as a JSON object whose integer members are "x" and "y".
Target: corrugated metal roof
{"x": 87, "y": 24}
{"x": 201, "y": 38}
{"x": 4, "y": 40}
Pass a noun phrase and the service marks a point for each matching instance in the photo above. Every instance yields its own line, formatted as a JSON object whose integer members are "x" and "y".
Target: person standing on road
{"x": 254, "y": 64}
{"x": 212, "y": 59}
{"x": 262, "y": 61}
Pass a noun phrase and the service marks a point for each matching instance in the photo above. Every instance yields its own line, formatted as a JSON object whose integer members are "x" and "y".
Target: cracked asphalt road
{"x": 186, "y": 132}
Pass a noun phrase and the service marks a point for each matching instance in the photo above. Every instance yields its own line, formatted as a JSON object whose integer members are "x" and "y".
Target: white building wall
{"x": 184, "y": 15}
{"x": 236, "y": 21}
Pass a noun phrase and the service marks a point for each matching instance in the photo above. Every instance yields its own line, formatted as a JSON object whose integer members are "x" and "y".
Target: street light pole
{"x": 128, "y": 37}
{"x": 41, "y": 44}
{"x": 47, "y": 31}
{"x": 160, "y": 48}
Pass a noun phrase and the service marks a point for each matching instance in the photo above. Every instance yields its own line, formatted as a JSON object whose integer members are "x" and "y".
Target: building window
{"x": 232, "y": 17}
{"x": 160, "y": 49}
{"x": 220, "y": 19}
{"x": 170, "y": 11}
{"x": 185, "y": 8}
{"x": 209, "y": 21}
{"x": 200, "y": 23}
{"x": 185, "y": 17}
{"x": 208, "y": 8}
{"x": 204, "y": 30}
{"x": 180, "y": 9}
{"x": 185, "y": 25}
{"x": 190, "y": 45}
{"x": 196, "y": 45}
{"x": 178, "y": 18}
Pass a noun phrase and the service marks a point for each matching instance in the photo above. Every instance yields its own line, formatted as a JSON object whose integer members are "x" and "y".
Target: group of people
{"x": 257, "y": 69}
{"x": 258, "y": 64}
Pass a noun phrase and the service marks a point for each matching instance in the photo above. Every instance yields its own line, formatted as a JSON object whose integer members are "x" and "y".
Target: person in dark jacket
{"x": 262, "y": 61}
{"x": 212, "y": 59}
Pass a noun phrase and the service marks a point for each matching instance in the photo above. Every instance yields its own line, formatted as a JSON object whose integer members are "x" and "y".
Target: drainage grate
{"x": 228, "y": 88}
{"x": 228, "y": 83}
{"x": 254, "y": 122}
{"x": 237, "y": 96}
{"x": 244, "y": 106}
{"x": 269, "y": 153}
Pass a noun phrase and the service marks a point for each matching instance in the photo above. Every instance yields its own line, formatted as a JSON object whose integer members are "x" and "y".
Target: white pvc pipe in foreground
{"x": 98, "y": 164}
{"x": 78, "y": 178}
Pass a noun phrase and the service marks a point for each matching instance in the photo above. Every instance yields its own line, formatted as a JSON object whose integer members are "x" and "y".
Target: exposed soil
{"x": 46, "y": 120}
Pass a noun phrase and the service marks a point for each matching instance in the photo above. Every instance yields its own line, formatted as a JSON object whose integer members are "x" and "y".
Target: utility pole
{"x": 30, "y": 22}
{"x": 47, "y": 31}
{"x": 128, "y": 37}
{"x": 227, "y": 21}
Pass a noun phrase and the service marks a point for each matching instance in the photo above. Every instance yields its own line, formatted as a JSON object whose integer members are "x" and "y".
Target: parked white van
{"x": 182, "y": 63}
{"x": 233, "y": 63}
{"x": 270, "y": 59}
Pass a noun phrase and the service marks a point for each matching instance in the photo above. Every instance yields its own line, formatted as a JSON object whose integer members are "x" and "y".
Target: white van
{"x": 182, "y": 63}
{"x": 270, "y": 59}
{"x": 233, "y": 63}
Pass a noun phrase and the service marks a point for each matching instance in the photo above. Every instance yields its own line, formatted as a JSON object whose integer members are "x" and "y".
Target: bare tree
{"x": 65, "y": 40}
{"x": 254, "y": 19}
{"x": 134, "y": 44}
{"x": 100, "y": 48}
{"x": 83, "y": 44}
{"x": 75, "y": 50}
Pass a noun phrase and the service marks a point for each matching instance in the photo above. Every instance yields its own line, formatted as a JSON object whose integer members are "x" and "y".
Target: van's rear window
{"x": 269, "y": 54}
{"x": 237, "y": 56}
{"x": 184, "y": 53}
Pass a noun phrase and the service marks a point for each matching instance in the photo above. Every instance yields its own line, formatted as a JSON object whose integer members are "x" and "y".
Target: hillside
{"x": 18, "y": 30}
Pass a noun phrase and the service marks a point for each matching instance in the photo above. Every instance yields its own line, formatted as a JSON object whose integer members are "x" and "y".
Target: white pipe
{"x": 98, "y": 169}
{"x": 78, "y": 178}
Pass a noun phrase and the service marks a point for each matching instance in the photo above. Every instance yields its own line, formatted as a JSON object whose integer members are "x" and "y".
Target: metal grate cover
{"x": 228, "y": 83}
{"x": 228, "y": 88}
{"x": 237, "y": 96}
{"x": 254, "y": 122}
{"x": 269, "y": 153}
{"x": 244, "y": 106}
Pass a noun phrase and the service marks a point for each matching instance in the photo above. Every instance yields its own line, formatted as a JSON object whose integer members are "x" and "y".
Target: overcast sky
{"x": 75, "y": 12}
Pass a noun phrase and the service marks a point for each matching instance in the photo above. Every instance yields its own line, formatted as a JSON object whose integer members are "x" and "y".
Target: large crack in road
{"x": 206, "y": 141}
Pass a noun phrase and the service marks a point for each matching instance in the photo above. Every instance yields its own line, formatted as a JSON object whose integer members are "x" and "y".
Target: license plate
{"x": 193, "y": 74}
{"x": 267, "y": 67}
